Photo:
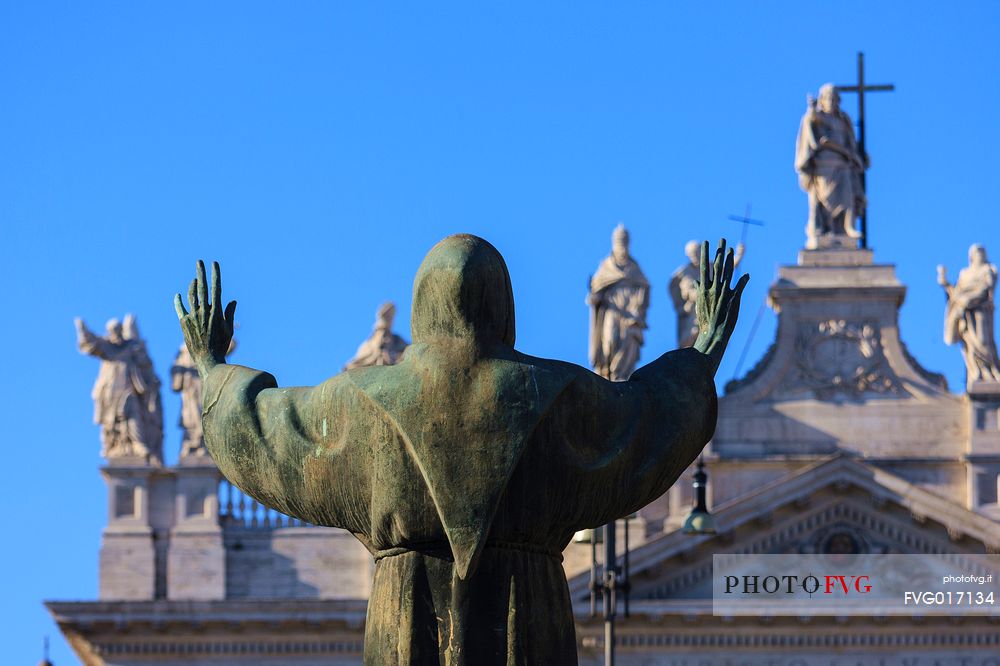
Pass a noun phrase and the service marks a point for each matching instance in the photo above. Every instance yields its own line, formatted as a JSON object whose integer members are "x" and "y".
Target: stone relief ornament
{"x": 841, "y": 357}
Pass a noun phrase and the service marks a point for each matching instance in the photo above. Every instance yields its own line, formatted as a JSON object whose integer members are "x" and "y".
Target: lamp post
{"x": 700, "y": 521}
{"x": 611, "y": 582}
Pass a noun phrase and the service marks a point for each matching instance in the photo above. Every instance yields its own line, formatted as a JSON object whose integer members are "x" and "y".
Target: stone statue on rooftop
{"x": 683, "y": 289}
{"x": 830, "y": 169}
{"x": 968, "y": 317}
{"x": 618, "y": 300}
{"x": 184, "y": 379}
{"x": 383, "y": 347}
{"x": 127, "y": 392}
{"x": 466, "y": 468}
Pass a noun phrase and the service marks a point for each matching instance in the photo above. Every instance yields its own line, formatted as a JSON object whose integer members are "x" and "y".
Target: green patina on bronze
{"x": 466, "y": 468}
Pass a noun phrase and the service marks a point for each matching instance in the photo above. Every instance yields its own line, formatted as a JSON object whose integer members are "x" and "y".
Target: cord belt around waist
{"x": 443, "y": 549}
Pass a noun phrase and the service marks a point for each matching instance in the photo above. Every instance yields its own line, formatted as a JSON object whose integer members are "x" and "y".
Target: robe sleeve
{"x": 972, "y": 292}
{"x": 302, "y": 451}
{"x": 625, "y": 443}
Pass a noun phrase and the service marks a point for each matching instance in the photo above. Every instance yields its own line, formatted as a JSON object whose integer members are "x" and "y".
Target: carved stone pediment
{"x": 838, "y": 338}
{"x": 836, "y": 360}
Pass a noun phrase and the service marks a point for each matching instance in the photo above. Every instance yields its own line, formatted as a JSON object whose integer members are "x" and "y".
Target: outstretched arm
{"x": 623, "y": 444}
{"x": 942, "y": 279}
{"x": 88, "y": 341}
{"x": 626, "y": 443}
{"x": 301, "y": 451}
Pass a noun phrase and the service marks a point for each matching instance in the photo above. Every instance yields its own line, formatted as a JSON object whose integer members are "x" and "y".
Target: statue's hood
{"x": 462, "y": 290}
{"x": 463, "y": 400}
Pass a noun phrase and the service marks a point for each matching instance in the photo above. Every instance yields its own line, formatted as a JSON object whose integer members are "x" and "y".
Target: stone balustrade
{"x": 239, "y": 511}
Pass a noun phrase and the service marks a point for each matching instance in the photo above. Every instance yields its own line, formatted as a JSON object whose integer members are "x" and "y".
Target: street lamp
{"x": 700, "y": 521}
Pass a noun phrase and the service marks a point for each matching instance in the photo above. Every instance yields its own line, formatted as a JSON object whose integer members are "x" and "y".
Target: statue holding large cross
{"x": 466, "y": 468}
{"x": 830, "y": 167}
{"x": 831, "y": 164}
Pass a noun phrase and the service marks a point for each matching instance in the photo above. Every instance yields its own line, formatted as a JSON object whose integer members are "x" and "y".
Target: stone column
{"x": 196, "y": 558}
{"x": 127, "y": 556}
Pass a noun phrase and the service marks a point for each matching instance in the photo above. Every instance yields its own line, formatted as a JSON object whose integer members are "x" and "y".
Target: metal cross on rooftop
{"x": 861, "y": 88}
{"x": 746, "y": 220}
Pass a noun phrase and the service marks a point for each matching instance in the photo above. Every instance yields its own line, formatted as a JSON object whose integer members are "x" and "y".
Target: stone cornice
{"x": 288, "y": 628}
{"x": 200, "y": 614}
{"x": 183, "y": 630}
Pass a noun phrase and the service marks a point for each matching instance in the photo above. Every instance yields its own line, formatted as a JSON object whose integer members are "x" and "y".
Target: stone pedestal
{"x": 842, "y": 256}
{"x": 983, "y": 457}
{"x": 127, "y": 556}
{"x": 196, "y": 558}
{"x": 839, "y": 379}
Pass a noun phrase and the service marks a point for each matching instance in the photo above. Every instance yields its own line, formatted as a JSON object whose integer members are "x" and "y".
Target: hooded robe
{"x": 466, "y": 468}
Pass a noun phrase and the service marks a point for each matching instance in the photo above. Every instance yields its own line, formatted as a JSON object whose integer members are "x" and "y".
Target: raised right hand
{"x": 208, "y": 331}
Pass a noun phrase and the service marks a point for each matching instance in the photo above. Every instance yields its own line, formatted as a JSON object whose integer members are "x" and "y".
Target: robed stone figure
{"x": 968, "y": 318}
{"x": 383, "y": 347}
{"x": 126, "y": 393}
{"x": 618, "y": 299}
{"x": 185, "y": 380}
{"x": 830, "y": 169}
{"x": 466, "y": 468}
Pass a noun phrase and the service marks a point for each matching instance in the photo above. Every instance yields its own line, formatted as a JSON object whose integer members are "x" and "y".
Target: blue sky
{"x": 318, "y": 150}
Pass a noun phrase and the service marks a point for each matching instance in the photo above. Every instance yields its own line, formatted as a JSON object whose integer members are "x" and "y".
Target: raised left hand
{"x": 718, "y": 304}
